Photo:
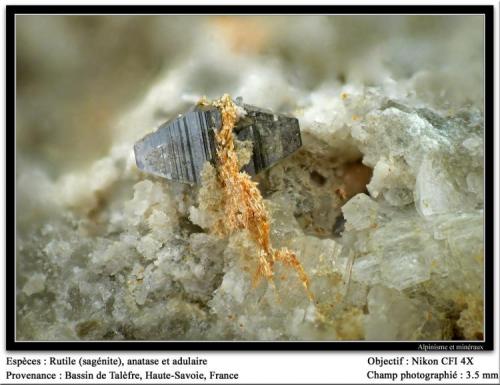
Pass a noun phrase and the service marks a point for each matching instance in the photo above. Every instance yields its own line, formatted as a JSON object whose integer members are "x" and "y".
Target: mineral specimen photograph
{"x": 249, "y": 177}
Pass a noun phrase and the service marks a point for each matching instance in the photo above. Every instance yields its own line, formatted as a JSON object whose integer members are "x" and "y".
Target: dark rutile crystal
{"x": 180, "y": 147}
{"x": 274, "y": 137}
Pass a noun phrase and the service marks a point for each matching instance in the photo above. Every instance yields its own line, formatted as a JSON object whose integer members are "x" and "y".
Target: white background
{"x": 265, "y": 367}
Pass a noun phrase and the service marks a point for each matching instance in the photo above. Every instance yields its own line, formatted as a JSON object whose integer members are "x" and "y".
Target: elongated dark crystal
{"x": 180, "y": 147}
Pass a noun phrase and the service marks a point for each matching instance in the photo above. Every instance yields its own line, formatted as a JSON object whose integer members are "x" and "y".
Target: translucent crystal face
{"x": 180, "y": 147}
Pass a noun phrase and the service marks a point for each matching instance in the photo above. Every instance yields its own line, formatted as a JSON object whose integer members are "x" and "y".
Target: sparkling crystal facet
{"x": 180, "y": 147}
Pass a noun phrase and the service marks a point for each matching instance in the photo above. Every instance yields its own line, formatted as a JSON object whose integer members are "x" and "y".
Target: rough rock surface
{"x": 383, "y": 204}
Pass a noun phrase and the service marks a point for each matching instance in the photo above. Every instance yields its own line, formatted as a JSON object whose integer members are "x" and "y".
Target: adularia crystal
{"x": 180, "y": 147}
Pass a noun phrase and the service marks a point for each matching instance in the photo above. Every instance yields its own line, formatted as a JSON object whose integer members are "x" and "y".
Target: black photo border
{"x": 440, "y": 346}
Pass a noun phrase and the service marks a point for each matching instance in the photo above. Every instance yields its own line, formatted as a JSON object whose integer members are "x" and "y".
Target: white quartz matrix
{"x": 106, "y": 252}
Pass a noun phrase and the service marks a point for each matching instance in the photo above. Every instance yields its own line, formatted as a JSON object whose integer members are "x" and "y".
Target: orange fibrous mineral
{"x": 243, "y": 204}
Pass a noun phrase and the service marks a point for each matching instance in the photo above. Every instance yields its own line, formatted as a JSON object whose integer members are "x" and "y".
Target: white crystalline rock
{"x": 360, "y": 212}
{"x": 35, "y": 284}
{"x": 323, "y": 115}
{"x": 321, "y": 260}
{"x": 198, "y": 217}
{"x": 389, "y": 177}
{"x": 366, "y": 269}
{"x": 393, "y": 142}
{"x": 434, "y": 193}
{"x": 161, "y": 225}
{"x": 58, "y": 250}
{"x": 463, "y": 234}
{"x": 404, "y": 269}
{"x": 394, "y": 317}
{"x": 406, "y": 251}
{"x": 235, "y": 287}
{"x": 111, "y": 257}
{"x": 395, "y": 266}
{"x": 419, "y": 155}
{"x": 146, "y": 194}
{"x": 148, "y": 247}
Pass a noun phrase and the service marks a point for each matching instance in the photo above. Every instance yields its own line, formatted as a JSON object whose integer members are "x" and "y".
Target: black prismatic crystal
{"x": 180, "y": 147}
